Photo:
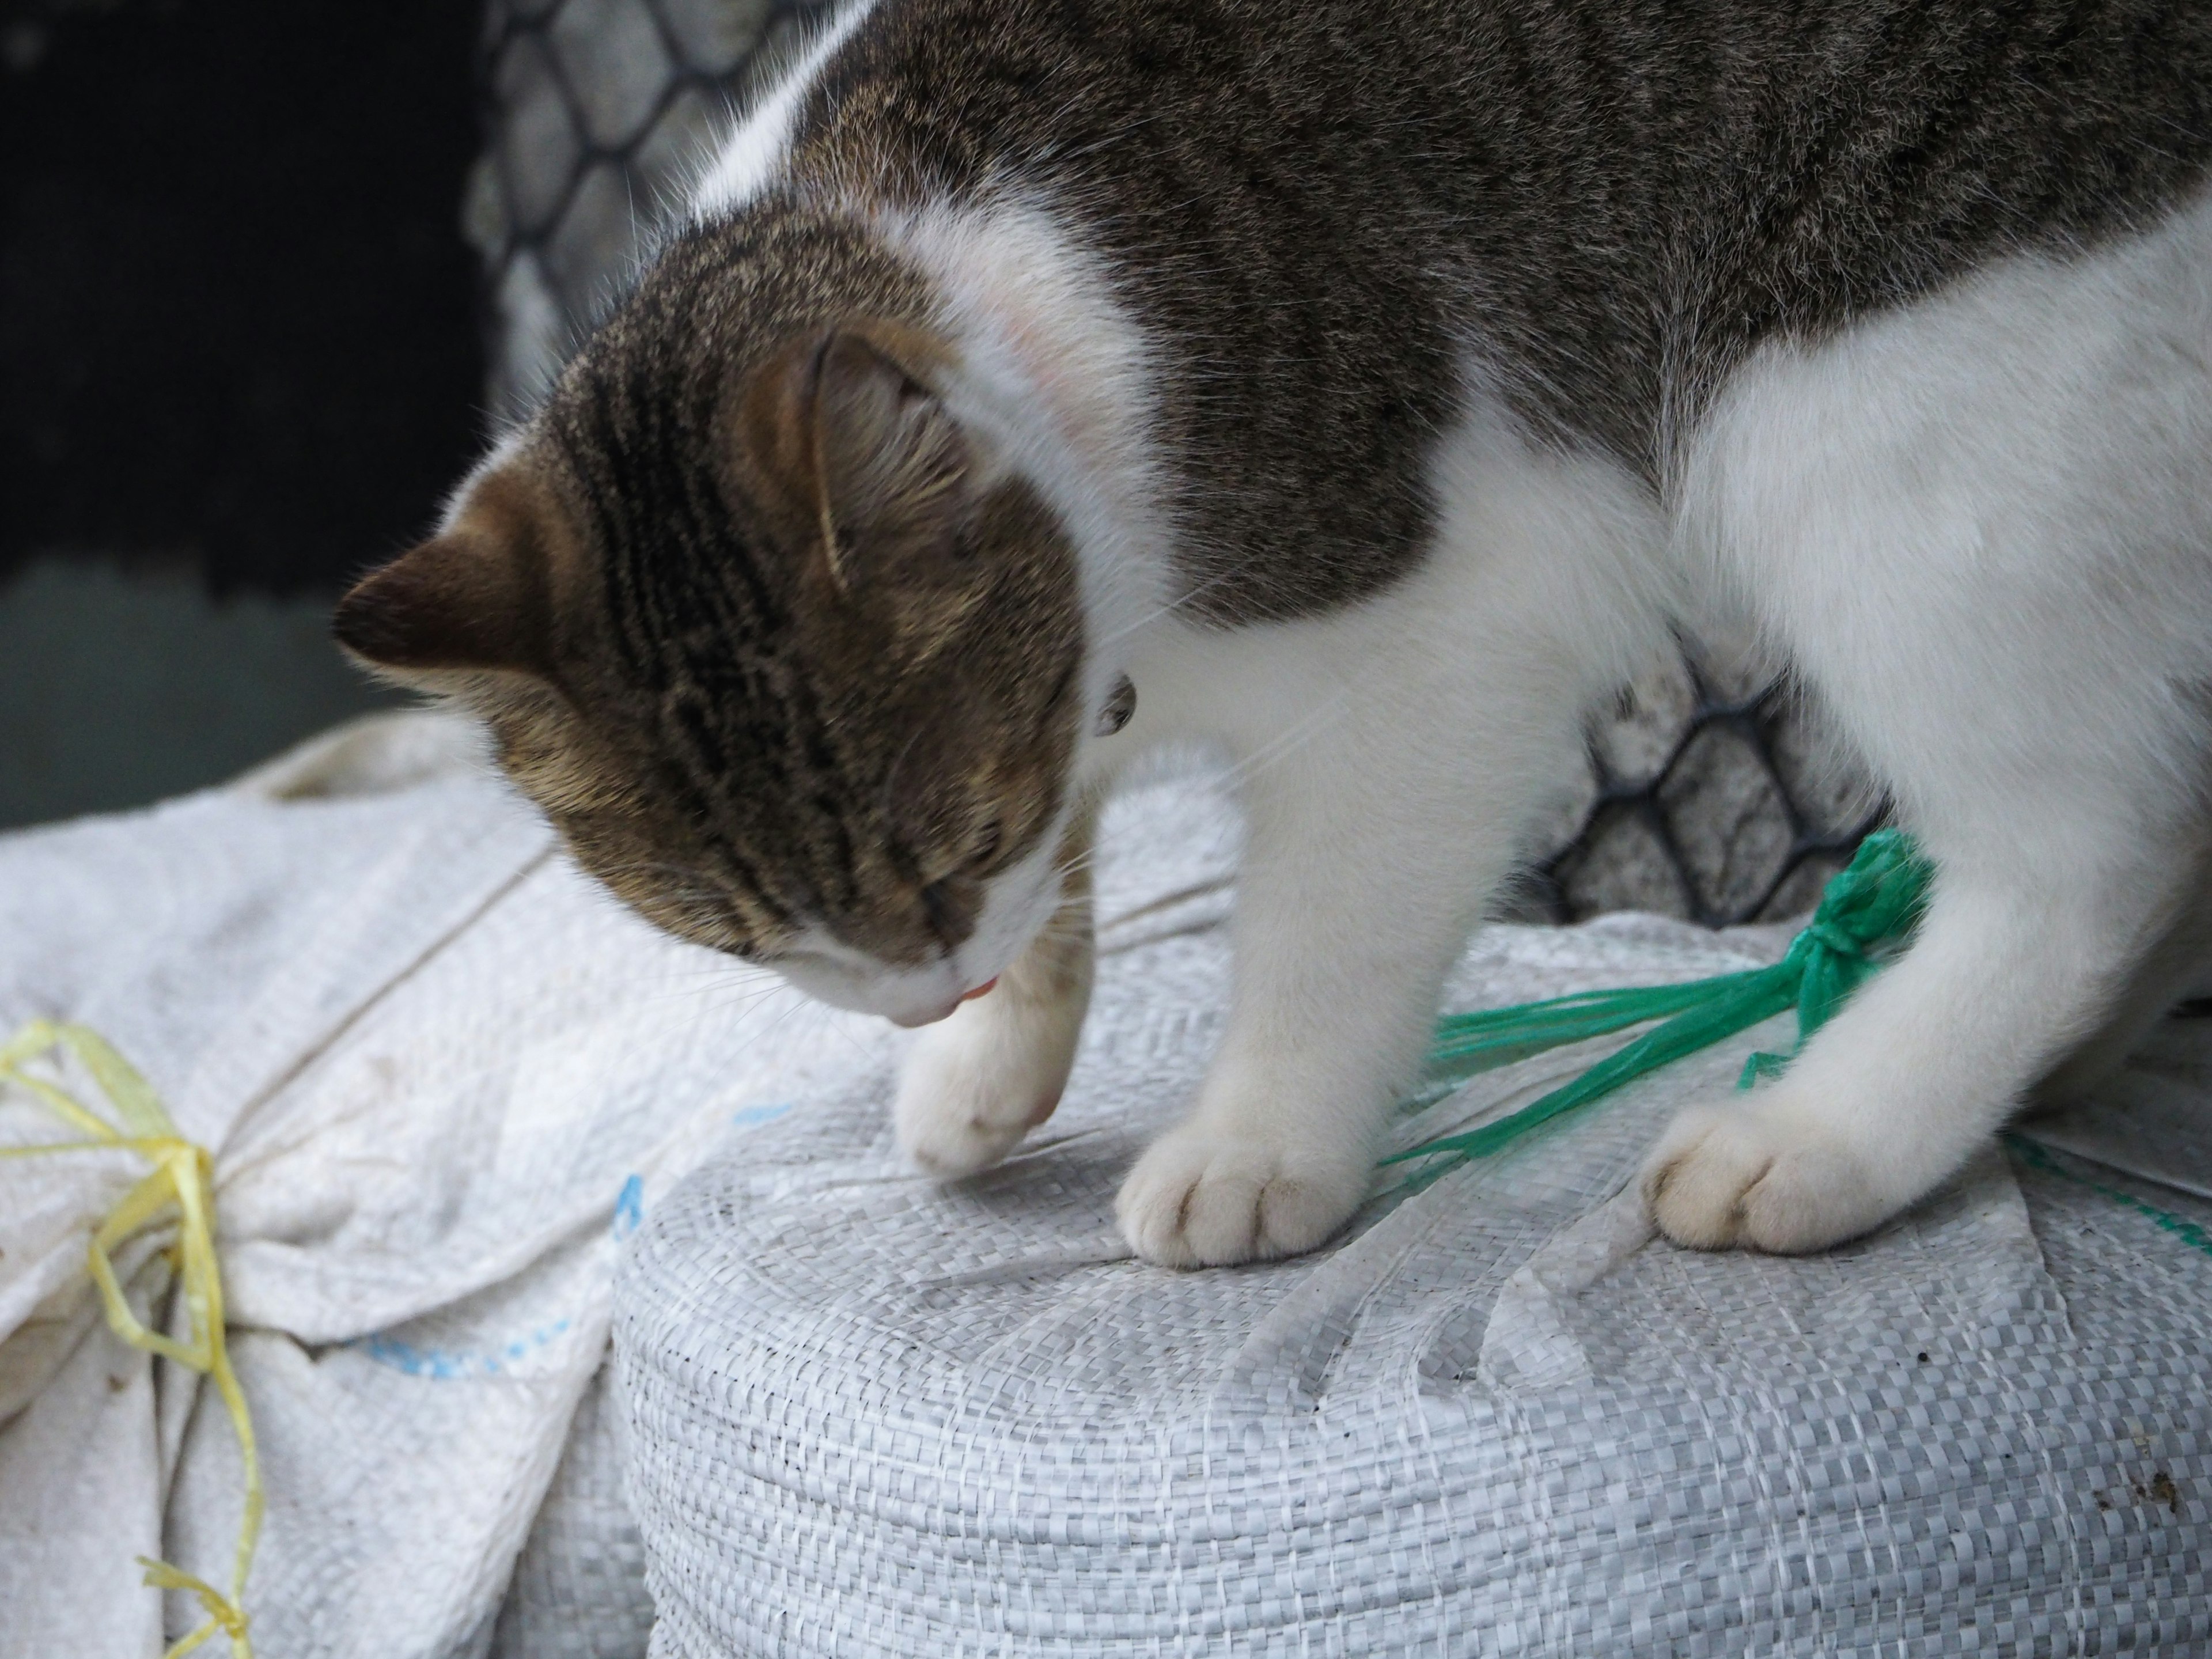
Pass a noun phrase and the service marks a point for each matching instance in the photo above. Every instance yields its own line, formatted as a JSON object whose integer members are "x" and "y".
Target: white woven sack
{"x": 578, "y": 1590}
{"x": 874, "y": 1415}
{"x": 438, "y": 1072}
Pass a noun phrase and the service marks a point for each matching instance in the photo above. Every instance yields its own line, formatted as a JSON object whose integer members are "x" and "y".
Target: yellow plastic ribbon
{"x": 182, "y": 1180}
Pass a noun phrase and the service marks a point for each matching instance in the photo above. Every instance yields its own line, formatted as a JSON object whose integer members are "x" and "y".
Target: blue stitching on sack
{"x": 630, "y": 1206}
{"x": 447, "y": 1366}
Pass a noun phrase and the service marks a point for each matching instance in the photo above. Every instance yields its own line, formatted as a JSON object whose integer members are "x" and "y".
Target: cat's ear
{"x": 846, "y": 431}
{"x": 473, "y": 599}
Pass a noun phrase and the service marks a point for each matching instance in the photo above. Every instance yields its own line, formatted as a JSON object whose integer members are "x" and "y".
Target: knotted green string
{"x": 1865, "y": 917}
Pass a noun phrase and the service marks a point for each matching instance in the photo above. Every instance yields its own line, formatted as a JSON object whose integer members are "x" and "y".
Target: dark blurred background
{"x": 240, "y": 360}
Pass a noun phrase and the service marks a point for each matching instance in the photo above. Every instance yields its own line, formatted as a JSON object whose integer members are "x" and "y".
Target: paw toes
{"x": 956, "y": 1120}
{"x": 1695, "y": 1182}
{"x": 948, "y": 1148}
{"x": 1724, "y": 1178}
{"x": 1195, "y": 1201}
{"x": 1807, "y": 1203}
{"x": 974, "y": 1085}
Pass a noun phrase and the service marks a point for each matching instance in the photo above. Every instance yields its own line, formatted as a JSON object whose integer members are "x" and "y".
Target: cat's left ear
{"x": 474, "y": 600}
{"x": 844, "y": 429}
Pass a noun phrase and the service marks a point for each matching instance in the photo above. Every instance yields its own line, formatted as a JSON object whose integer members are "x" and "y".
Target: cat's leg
{"x": 1354, "y": 898}
{"x": 2178, "y": 968}
{"x": 1978, "y": 529}
{"x": 980, "y": 1078}
{"x": 1391, "y": 757}
{"x": 2016, "y": 961}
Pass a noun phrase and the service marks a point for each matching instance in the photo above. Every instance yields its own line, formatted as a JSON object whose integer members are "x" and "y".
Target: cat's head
{"x": 794, "y": 664}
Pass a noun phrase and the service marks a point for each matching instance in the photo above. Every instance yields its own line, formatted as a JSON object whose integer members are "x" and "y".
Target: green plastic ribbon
{"x": 1866, "y": 916}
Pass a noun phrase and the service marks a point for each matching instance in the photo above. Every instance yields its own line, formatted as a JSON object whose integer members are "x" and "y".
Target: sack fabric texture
{"x": 871, "y": 1414}
{"x": 466, "y": 1114}
{"x": 439, "y": 1073}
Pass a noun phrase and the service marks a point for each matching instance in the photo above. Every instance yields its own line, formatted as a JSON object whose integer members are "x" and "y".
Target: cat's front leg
{"x": 980, "y": 1078}
{"x": 1357, "y": 891}
{"x": 2014, "y": 965}
{"x": 1393, "y": 755}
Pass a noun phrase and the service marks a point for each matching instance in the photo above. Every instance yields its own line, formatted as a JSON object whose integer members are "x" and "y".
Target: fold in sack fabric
{"x": 870, "y": 1414}
{"x": 439, "y": 1075}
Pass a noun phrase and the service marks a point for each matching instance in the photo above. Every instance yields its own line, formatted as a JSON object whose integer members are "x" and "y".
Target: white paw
{"x": 1759, "y": 1177}
{"x": 1203, "y": 1198}
{"x": 975, "y": 1084}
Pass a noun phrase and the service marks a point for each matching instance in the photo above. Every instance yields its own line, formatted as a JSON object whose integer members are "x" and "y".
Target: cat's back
{"x": 2069, "y": 116}
{"x": 1320, "y": 213}
{"x": 1613, "y": 189}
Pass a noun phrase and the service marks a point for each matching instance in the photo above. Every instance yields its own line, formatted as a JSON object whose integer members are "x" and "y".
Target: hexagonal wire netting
{"x": 1703, "y": 799}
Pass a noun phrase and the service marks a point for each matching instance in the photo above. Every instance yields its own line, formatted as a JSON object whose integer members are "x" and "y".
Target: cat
{"x": 1369, "y": 391}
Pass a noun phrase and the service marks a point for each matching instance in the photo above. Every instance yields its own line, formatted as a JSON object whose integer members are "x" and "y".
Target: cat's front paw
{"x": 1201, "y": 1197}
{"x": 1759, "y": 1177}
{"x": 975, "y": 1083}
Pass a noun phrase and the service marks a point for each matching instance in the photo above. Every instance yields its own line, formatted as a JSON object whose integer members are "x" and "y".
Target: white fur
{"x": 977, "y": 1082}
{"x": 1978, "y": 529}
{"x": 753, "y": 155}
{"x": 1392, "y": 756}
{"x": 1054, "y": 378}
{"x": 1052, "y": 384}
{"x": 1975, "y": 528}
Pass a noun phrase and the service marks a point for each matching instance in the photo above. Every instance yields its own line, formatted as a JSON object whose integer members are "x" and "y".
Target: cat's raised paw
{"x": 1727, "y": 1177}
{"x": 1198, "y": 1198}
{"x": 972, "y": 1086}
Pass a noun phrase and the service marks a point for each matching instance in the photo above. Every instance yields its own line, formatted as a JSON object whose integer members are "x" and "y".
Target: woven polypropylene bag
{"x": 872, "y": 1414}
{"x": 437, "y": 1072}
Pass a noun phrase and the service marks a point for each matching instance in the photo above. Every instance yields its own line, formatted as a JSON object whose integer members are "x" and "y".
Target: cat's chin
{"x": 911, "y": 998}
{"x": 901, "y": 1007}
{"x": 915, "y": 1021}
{"x": 912, "y": 1021}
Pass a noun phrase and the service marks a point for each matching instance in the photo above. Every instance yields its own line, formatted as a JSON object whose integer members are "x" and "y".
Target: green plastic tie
{"x": 1866, "y": 916}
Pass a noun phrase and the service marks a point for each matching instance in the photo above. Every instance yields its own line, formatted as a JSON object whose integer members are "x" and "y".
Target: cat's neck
{"x": 1058, "y": 373}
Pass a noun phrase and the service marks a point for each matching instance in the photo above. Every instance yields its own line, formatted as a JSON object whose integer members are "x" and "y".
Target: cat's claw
{"x": 1762, "y": 1178}
{"x": 1198, "y": 1198}
{"x": 974, "y": 1085}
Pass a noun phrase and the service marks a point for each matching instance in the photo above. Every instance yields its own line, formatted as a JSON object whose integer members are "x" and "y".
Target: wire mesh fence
{"x": 596, "y": 115}
{"x": 1704, "y": 798}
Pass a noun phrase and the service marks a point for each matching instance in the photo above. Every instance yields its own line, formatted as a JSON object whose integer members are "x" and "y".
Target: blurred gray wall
{"x": 122, "y": 686}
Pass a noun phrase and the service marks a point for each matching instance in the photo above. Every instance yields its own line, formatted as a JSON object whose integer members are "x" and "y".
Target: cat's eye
{"x": 986, "y": 846}
{"x": 1121, "y": 704}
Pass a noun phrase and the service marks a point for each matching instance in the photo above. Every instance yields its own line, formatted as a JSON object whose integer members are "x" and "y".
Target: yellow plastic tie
{"x": 182, "y": 1180}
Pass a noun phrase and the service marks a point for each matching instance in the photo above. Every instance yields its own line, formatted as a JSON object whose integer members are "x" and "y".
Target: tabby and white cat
{"x": 1368, "y": 390}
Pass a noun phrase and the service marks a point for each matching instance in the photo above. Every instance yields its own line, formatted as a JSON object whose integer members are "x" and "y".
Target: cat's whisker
{"x": 1167, "y": 608}
{"x": 1286, "y": 743}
